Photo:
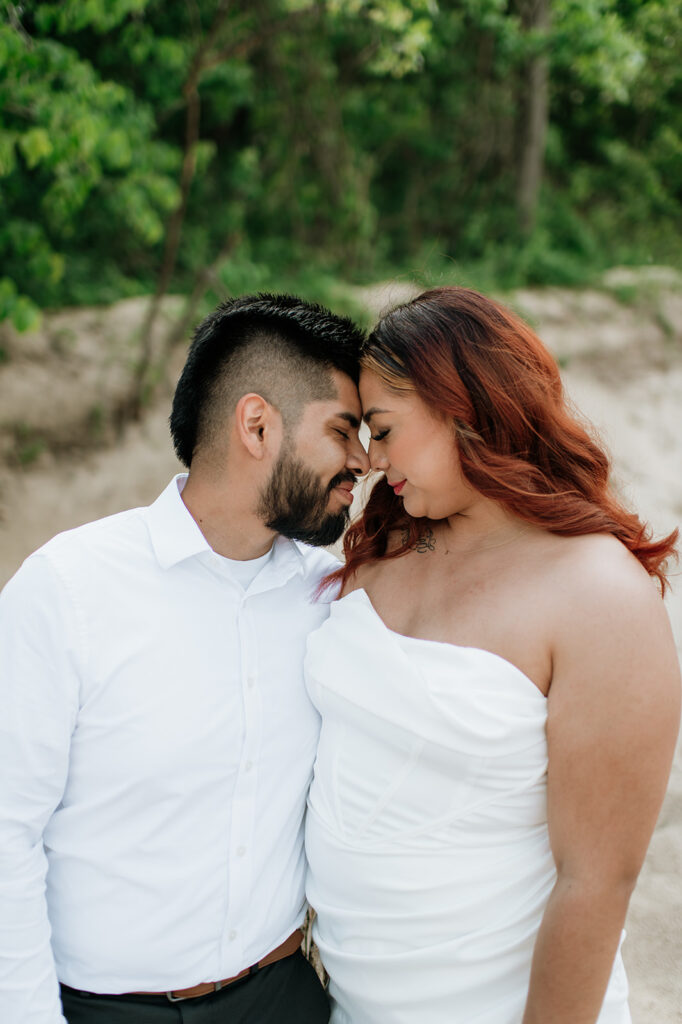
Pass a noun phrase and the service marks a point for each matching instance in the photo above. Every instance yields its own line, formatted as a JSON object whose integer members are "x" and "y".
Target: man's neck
{"x": 226, "y": 517}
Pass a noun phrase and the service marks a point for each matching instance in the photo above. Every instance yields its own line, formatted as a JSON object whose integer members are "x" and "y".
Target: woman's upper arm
{"x": 613, "y": 719}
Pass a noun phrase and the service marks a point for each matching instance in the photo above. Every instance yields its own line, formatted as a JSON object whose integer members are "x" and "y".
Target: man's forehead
{"x": 346, "y": 404}
{"x": 343, "y": 407}
{"x": 345, "y": 385}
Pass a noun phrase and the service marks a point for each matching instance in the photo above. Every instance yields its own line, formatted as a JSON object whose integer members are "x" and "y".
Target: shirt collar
{"x": 287, "y": 561}
{"x": 176, "y": 536}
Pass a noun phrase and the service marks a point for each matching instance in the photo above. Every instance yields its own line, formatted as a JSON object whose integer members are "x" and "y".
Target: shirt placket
{"x": 244, "y": 801}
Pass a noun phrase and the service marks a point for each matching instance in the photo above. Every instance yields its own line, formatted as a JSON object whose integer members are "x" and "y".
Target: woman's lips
{"x": 397, "y": 488}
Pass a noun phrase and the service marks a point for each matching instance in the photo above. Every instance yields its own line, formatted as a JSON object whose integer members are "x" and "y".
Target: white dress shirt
{"x": 156, "y": 747}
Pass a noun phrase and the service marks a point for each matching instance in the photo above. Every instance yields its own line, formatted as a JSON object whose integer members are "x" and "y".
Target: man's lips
{"x": 397, "y": 488}
{"x": 345, "y": 492}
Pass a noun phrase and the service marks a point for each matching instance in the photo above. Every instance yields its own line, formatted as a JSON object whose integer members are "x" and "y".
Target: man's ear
{"x": 258, "y": 425}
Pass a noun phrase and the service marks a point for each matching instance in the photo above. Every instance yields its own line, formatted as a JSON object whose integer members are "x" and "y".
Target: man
{"x": 156, "y": 740}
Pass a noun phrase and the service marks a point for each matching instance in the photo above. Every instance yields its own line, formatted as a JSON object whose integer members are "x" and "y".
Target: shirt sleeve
{"x": 38, "y": 708}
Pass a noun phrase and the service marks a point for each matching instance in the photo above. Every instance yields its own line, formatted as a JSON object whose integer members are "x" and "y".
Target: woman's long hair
{"x": 480, "y": 366}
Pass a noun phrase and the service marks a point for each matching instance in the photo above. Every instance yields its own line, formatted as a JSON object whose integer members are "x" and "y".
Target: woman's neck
{"x": 482, "y": 527}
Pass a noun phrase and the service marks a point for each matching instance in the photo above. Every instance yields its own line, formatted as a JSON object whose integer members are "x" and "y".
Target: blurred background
{"x": 219, "y": 145}
{"x": 158, "y": 157}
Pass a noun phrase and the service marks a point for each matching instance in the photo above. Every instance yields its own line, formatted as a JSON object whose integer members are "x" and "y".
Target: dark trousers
{"x": 286, "y": 992}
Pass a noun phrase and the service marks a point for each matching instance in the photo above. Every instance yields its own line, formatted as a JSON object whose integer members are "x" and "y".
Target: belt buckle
{"x": 217, "y": 986}
{"x": 175, "y": 999}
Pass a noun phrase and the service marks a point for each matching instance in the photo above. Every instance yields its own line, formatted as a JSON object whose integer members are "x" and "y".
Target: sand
{"x": 622, "y": 365}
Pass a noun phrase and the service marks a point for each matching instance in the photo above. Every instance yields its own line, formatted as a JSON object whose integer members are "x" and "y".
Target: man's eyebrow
{"x": 372, "y": 412}
{"x": 350, "y": 418}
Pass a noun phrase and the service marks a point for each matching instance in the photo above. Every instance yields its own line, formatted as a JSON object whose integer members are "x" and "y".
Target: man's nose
{"x": 358, "y": 461}
{"x": 376, "y": 459}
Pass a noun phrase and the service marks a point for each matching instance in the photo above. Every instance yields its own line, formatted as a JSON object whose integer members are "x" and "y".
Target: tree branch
{"x": 172, "y": 242}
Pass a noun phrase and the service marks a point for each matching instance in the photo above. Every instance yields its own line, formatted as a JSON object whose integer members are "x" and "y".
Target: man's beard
{"x": 294, "y": 503}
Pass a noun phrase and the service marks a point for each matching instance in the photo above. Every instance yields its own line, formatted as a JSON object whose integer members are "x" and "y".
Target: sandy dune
{"x": 622, "y": 365}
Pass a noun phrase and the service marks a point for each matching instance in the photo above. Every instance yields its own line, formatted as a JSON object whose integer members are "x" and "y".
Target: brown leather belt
{"x": 287, "y": 948}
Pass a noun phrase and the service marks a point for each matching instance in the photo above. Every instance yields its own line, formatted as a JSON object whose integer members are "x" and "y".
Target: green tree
{"x": 138, "y": 137}
{"x": 147, "y": 145}
{"x": 80, "y": 165}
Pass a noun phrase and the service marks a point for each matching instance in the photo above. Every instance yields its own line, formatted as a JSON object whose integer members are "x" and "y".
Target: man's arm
{"x": 38, "y": 707}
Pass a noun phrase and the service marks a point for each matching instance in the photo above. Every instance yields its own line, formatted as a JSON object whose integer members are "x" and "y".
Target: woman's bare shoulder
{"x": 360, "y": 579}
{"x": 589, "y": 583}
{"x": 365, "y": 575}
{"x": 605, "y": 606}
{"x": 597, "y": 566}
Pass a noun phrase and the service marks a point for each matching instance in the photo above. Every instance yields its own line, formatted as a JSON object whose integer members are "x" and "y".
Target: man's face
{"x": 308, "y": 495}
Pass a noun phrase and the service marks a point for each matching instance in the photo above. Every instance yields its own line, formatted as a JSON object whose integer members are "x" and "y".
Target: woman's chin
{"x": 415, "y": 509}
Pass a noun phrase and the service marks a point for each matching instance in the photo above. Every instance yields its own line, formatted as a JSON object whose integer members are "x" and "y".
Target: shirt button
{"x": 251, "y": 681}
{"x": 248, "y": 766}
{"x": 241, "y": 850}
{"x": 233, "y": 935}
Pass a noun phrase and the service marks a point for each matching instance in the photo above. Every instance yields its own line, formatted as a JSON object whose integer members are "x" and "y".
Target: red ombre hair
{"x": 479, "y": 365}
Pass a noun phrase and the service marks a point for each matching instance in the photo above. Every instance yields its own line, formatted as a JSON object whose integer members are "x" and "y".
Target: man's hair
{"x": 278, "y": 346}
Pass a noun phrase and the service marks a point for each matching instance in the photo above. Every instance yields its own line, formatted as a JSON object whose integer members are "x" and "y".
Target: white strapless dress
{"x": 426, "y": 833}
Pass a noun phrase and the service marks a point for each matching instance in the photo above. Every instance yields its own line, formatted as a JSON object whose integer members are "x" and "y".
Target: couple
{"x": 487, "y": 714}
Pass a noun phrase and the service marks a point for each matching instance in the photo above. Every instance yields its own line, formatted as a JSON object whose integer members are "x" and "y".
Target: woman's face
{"x": 416, "y": 449}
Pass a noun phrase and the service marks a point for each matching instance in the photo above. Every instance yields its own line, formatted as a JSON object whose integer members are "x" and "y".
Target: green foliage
{"x": 335, "y": 137}
{"x": 28, "y": 446}
{"x": 78, "y": 156}
{"x": 403, "y": 30}
{"x": 595, "y": 46}
{"x": 74, "y": 15}
{"x": 23, "y": 313}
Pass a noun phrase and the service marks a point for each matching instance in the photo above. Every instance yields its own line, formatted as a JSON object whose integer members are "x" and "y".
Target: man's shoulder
{"x": 84, "y": 554}
{"x": 98, "y": 533}
{"x": 317, "y": 562}
{"x": 70, "y": 560}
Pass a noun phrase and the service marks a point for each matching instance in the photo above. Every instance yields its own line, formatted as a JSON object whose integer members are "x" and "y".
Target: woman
{"x": 499, "y": 693}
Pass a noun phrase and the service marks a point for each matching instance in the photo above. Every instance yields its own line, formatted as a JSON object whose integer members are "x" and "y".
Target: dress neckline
{"x": 442, "y": 643}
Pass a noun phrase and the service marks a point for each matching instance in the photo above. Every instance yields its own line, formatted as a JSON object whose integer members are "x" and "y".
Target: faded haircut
{"x": 278, "y": 346}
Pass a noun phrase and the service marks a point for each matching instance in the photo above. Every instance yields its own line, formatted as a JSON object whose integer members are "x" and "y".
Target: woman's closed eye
{"x": 380, "y": 436}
